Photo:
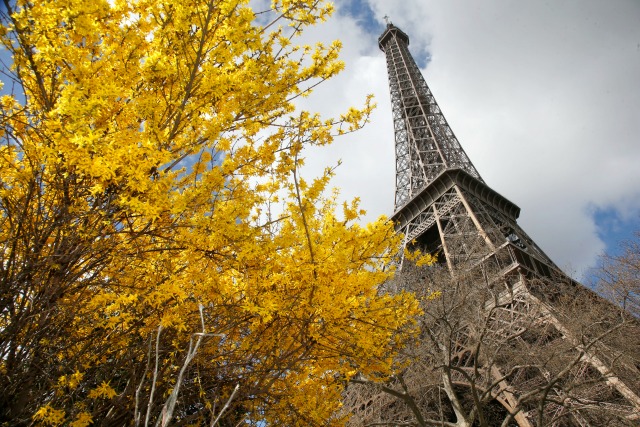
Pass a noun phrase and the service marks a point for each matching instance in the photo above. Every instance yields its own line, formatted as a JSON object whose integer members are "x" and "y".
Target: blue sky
{"x": 614, "y": 228}
{"x": 362, "y": 14}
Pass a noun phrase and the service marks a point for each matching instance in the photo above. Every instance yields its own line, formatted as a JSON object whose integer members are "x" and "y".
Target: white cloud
{"x": 544, "y": 98}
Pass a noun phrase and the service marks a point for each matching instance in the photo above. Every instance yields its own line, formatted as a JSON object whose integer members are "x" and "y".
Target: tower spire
{"x": 425, "y": 144}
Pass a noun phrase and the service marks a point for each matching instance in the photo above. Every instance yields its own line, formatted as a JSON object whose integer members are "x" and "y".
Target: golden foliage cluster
{"x": 150, "y": 195}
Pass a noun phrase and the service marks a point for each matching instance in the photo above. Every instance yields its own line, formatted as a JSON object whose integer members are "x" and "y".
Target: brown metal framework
{"x": 443, "y": 205}
{"x": 438, "y": 190}
{"x": 425, "y": 144}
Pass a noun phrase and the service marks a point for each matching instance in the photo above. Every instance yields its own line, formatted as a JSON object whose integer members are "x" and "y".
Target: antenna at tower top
{"x": 386, "y": 19}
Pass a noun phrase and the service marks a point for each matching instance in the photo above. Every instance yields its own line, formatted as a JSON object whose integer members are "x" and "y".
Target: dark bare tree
{"x": 527, "y": 353}
{"x": 618, "y": 276}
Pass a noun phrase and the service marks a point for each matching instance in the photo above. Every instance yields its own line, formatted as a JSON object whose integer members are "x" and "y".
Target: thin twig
{"x": 226, "y": 405}
{"x": 155, "y": 377}
{"x": 170, "y": 404}
{"x": 136, "y": 412}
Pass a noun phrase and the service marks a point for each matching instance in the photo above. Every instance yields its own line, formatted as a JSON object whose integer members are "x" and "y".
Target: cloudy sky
{"x": 543, "y": 96}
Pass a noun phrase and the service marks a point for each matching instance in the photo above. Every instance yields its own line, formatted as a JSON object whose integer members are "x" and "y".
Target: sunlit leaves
{"x": 151, "y": 190}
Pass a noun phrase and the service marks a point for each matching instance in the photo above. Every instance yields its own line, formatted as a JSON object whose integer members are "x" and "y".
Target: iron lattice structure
{"x": 438, "y": 190}
{"x": 443, "y": 206}
{"x": 425, "y": 144}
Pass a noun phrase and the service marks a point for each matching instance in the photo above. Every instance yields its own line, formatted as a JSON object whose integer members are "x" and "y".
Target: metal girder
{"x": 430, "y": 162}
{"x": 425, "y": 144}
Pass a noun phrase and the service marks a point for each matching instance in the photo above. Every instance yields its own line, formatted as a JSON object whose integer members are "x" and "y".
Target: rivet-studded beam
{"x": 425, "y": 144}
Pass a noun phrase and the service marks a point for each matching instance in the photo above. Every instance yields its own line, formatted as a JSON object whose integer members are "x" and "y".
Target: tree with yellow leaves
{"x": 163, "y": 261}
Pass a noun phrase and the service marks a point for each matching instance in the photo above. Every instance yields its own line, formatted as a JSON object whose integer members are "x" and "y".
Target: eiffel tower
{"x": 438, "y": 190}
{"x": 444, "y": 207}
